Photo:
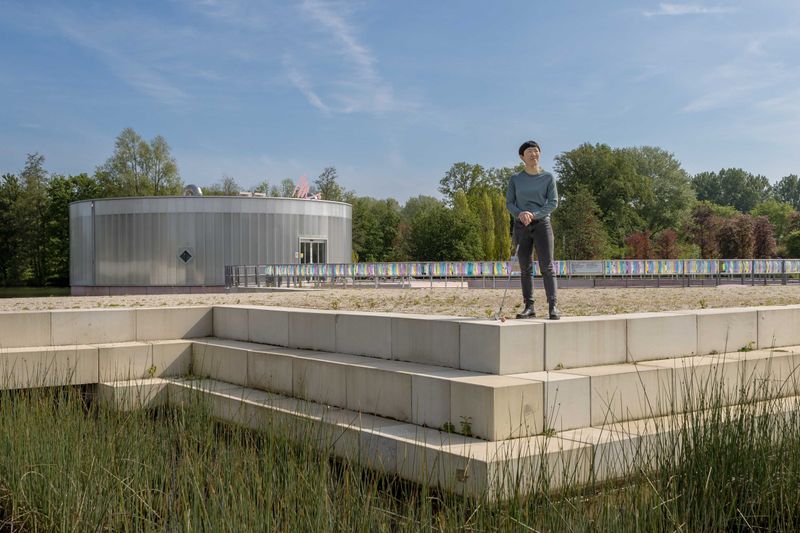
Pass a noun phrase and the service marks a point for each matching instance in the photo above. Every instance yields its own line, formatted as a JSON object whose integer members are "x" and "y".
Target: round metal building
{"x": 183, "y": 243}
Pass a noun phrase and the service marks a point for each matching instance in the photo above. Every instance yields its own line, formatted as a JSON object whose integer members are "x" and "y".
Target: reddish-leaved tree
{"x": 764, "y": 245}
{"x": 704, "y": 227}
{"x": 667, "y": 244}
{"x": 637, "y": 245}
{"x": 735, "y": 237}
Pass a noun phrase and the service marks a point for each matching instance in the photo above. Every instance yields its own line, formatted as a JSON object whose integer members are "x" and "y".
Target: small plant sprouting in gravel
{"x": 448, "y": 427}
{"x": 703, "y": 303}
{"x": 749, "y": 347}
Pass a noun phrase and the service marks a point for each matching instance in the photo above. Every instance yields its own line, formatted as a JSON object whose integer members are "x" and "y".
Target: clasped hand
{"x": 526, "y": 217}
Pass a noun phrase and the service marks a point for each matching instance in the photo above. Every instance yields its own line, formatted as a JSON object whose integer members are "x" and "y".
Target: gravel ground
{"x": 459, "y": 302}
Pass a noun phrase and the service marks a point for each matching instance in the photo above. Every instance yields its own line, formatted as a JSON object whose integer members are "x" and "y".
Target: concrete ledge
{"x": 270, "y": 372}
{"x": 313, "y": 330}
{"x": 430, "y": 395}
{"x": 92, "y": 326}
{"x": 268, "y": 325}
{"x": 567, "y": 399}
{"x": 778, "y": 326}
{"x": 231, "y": 322}
{"x": 26, "y": 328}
{"x": 726, "y": 330}
{"x": 701, "y": 381}
{"x": 124, "y": 361}
{"x": 225, "y": 362}
{"x": 172, "y": 323}
{"x": 496, "y": 407}
{"x": 133, "y": 395}
{"x": 319, "y": 380}
{"x": 465, "y": 465}
{"x": 381, "y": 389}
{"x": 627, "y": 392}
{"x": 501, "y": 347}
{"x": 769, "y": 373}
{"x": 454, "y": 462}
{"x": 49, "y": 366}
{"x": 660, "y": 335}
{"x": 171, "y": 358}
{"x": 427, "y": 340}
{"x": 361, "y": 334}
{"x": 582, "y": 341}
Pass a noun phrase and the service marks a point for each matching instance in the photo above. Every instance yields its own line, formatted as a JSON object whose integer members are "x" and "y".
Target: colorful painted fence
{"x": 477, "y": 269}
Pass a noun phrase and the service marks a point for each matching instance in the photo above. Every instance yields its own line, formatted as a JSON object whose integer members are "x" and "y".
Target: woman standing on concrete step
{"x": 531, "y": 197}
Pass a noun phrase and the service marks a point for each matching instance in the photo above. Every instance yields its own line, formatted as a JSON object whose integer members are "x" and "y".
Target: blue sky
{"x": 392, "y": 93}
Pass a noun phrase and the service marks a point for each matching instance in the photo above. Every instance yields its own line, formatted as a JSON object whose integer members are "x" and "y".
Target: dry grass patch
{"x": 461, "y": 302}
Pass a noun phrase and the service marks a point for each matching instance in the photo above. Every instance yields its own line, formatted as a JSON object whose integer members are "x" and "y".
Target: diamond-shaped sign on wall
{"x": 185, "y": 255}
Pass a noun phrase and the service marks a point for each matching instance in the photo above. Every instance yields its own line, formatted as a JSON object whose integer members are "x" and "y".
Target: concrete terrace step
{"x": 499, "y": 407}
{"x": 80, "y": 364}
{"x": 486, "y": 346}
{"x": 454, "y": 462}
{"x": 495, "y": 407}
{"x": 623, "y": 392}
{"x": 455, "y": 342}
{"x": 515, "y": 346}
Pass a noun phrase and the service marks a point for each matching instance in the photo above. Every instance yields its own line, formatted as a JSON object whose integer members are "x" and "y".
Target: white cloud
{"x": 357, "y": 86}
{"x": 137, "y": 73}
{"x": 668, "y": 9}
{"x": 302, "y": 84}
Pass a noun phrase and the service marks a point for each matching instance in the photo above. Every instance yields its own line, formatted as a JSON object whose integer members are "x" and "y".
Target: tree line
{"x": 634, "y": 202}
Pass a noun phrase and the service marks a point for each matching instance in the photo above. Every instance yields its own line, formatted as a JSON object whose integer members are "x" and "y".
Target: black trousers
{"x": 536, "y": 235}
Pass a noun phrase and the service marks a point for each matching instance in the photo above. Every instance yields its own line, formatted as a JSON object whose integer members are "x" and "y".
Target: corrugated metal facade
{"x": 138, "y": 241}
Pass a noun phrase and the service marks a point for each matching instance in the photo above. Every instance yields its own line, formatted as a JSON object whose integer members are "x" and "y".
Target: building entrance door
{"x": 313, "y": 251}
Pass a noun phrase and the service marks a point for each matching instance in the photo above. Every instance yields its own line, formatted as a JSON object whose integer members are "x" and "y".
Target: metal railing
{"x": 707, "y": 271}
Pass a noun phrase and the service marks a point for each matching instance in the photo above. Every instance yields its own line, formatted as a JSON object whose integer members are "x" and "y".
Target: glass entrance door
{"x": 313, "y": 251}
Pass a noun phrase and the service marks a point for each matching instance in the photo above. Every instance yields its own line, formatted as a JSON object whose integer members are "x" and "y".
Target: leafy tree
{"x": 10, "y": 231}
{"x": 140, "y": 169}
{"x": 793, "y": 244}
{"x": 226, "y": 186}
{"x": 484, "y": 212}
{"x": 735, "y": 237}
{"x": 286, "y": 189}
{"x": 461, "y": 176}
{"x": 671, "y": 197}
{"x": 62, "y": 190}
{"x": 779, "y": 214}
{"x": 31, "y": 210}
{"x": 497, "y": 178}
{"x": 441, "y": 234}
{"x": 375, "y": 227}
{"x": 417, "y": 205}
{"x": 794, "y": 222}
{"x": 612, "y": 179}
{"x": 732, "y": 186}
{"x": 764, "y": 245}
{"x": 262, "y": 187}
{"x": 579, "y": 232}
{"x": 327, "y": 186}
{"x": 788, "y": 190}
{"x": 161, "y": 169}
{"x": 502, "y": 226}
{"x": 666, "y": 246}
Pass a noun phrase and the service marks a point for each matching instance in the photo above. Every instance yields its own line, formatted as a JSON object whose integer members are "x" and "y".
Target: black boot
{"x": 555, "y": 314}
{"x": 528, "y": 312}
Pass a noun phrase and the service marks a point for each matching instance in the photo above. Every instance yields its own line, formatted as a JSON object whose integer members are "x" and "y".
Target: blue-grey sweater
{"x": 536, "y": 193}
